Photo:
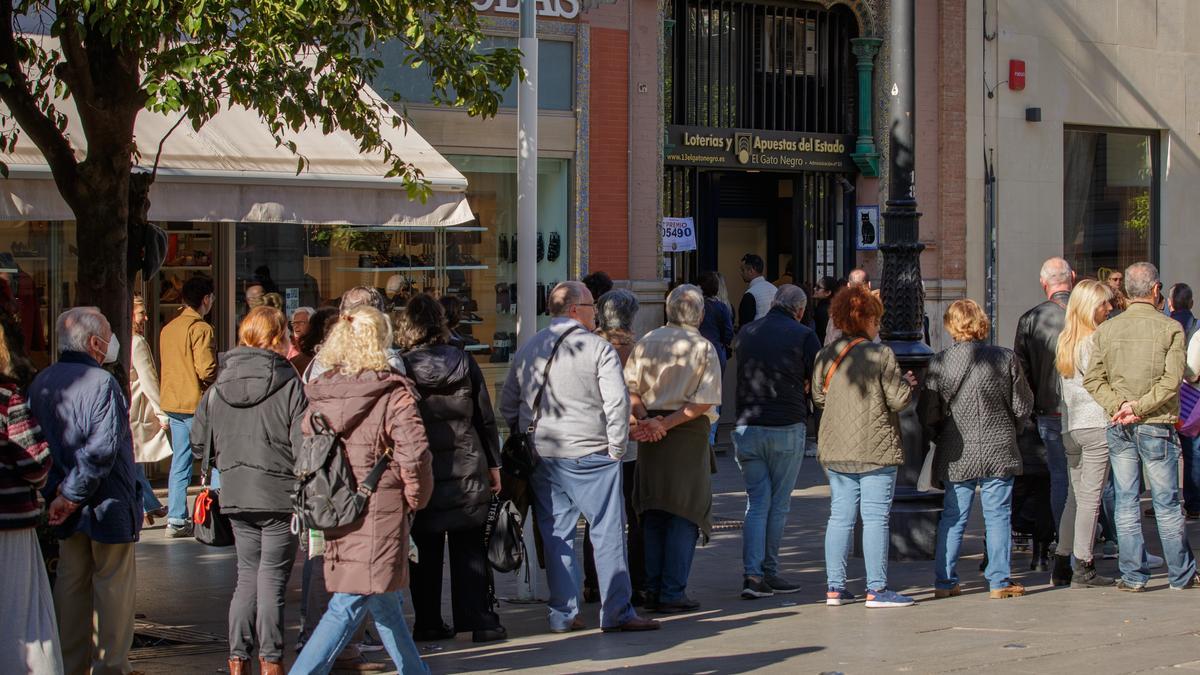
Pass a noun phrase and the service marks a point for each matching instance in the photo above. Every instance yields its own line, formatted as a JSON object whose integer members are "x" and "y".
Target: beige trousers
{"x": 93, "y": 597}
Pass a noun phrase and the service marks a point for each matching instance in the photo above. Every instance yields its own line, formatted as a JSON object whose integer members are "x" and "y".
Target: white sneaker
{"x": 1154, "y": 562}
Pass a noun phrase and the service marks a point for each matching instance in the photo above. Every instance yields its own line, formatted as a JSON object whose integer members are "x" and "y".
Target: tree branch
{"x": 38, "y": 125}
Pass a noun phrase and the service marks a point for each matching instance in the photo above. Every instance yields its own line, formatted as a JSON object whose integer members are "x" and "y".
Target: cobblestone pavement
{"x": 184, "y": 584}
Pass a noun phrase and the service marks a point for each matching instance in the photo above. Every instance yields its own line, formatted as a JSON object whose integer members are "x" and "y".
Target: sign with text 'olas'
{"x": 678, "y": 234}
{"x": 553, "y": 9}
{"x": 762, "y": 150}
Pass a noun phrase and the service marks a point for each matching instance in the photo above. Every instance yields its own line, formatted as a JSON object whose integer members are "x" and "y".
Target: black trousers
{"x": 266, "y": 550}
{"x": 470, "y": 576}
{"x": 635, "y": 542}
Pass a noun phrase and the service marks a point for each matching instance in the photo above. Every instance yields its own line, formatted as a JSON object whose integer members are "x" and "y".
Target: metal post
{"x": 865, "y": 154}
{"x": 527, "y": 225}
{"x": 527, "y": 114}
{"x": 914, "y": 515}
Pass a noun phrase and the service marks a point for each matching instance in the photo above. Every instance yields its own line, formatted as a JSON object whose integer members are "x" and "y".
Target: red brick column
{"x": 608, "y": 140}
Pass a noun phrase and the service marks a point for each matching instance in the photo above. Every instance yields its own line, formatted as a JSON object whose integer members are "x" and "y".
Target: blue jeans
{"x": 149, "y": 501}
{"x": 345, "y": 613}
{"x": 670, "y": 548}
{"x": 562, "y": 490}
{"x": 1155, "y": 447}
{"x": 712, "y": 431}
{"x": 180, "y": 477}
{"x": 1191, "y": 473}
{"x": 770, "y": 458}
{"x": 995, "y": 494}
{"x": 871, "y": 495}
{"x": 1050, "y": 429}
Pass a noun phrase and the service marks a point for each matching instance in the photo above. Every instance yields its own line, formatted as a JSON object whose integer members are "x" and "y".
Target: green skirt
{"x": 675, "y": 474}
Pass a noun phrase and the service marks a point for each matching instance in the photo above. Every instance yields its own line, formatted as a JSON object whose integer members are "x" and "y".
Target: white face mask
{"x": 113, "y": 351}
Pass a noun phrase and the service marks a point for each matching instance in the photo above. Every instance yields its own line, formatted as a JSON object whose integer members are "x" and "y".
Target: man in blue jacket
{"x": 775, "y": 357}
{"x": 95, "y": 498}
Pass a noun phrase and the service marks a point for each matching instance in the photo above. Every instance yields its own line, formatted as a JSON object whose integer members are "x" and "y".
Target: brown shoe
{"x": 634, "y": 625}
{"x": 239, "y": 667}
{"x": 270, "y": 667}
{"x": 1012, "y": 590}
{"x": 576, "y": 624}
{"x": 952, "y": 592}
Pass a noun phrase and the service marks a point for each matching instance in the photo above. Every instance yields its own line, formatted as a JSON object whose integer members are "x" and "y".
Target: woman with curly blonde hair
{"x": 1085, "y": 434}
{"x": 374, "y": 411}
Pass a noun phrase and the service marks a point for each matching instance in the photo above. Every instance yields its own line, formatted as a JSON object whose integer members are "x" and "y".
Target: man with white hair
{"x": 1036, "y": 344}
{"x": 1136, "y": 366}
{"x": 674, "y": 380}
{"x": 775, "y": 358}
{"x": 94, "y": 494}
{"x": 565, "y": 389}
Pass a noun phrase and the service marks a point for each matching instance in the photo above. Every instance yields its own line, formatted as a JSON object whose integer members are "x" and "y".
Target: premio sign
{"x": 770, "y": 150}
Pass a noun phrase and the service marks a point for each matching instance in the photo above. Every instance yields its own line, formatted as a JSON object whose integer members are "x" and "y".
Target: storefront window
{"x": 311, "y": 266}
{"x": 1110, "y": 214}
{"x": 28, "y": 281}
{"x": 556, "y": 74}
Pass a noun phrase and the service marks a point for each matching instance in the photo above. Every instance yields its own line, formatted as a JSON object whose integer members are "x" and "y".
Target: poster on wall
{"x": 866, "y": 228}
{"x": 678, "y": 234}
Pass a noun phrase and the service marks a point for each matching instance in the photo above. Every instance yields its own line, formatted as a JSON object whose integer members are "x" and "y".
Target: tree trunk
{"x": 103, "y": 272}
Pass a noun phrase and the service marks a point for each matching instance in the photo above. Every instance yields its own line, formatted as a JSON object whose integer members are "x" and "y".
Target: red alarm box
{"x": 1016, "y": 75}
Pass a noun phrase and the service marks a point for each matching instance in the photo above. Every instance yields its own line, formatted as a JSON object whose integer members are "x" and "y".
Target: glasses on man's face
{"x": 293, "y": 324}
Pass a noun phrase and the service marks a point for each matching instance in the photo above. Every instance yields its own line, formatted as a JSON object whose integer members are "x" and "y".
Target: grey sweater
{"x": 585, "y": 407}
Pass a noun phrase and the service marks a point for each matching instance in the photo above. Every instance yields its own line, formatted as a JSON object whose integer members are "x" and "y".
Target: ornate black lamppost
{"x": 914, "y": 515}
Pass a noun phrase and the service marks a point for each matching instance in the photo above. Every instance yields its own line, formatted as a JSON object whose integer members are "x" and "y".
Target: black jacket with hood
{"x": 461, "y": 427}
{"x": 254, "y": 410}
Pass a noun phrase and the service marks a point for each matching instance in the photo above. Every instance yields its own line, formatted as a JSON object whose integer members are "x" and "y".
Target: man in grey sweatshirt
{"x": 581, "y": 433}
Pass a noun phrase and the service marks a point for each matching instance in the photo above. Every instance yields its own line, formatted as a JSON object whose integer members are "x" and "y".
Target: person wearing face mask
{"x": 189, "y": 366}
{"x": 251, "y": 416}
{"x": 93, "y": 491}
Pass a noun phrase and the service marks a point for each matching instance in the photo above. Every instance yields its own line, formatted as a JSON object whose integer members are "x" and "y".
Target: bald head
{"x": 565, "y": 295}
{"x": 858, "y": 277}
{"x": 1056, "y": 275}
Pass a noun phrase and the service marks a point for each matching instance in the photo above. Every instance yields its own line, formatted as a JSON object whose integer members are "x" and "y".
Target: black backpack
{"x": 327, "y": 495}
{"x": 503, "y": 536}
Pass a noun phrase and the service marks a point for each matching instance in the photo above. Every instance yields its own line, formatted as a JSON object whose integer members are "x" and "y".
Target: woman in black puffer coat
{"x": 461, "y": 427}
{"x": 252, "y": 415}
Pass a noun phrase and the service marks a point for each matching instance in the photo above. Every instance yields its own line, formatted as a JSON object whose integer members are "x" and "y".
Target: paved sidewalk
{"x": 1050, "y": 630}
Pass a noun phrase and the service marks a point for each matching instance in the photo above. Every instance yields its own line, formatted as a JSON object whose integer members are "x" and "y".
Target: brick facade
{"x": 609, "y": 153}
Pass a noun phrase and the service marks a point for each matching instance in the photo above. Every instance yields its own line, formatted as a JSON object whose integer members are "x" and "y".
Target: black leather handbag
{"x": 503, "y": 536}
{"x": 209, "y": 525}
{"x": 518, "y": 457}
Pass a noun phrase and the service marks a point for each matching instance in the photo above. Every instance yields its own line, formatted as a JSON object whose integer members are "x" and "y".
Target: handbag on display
{"x": 518, "y": 457}
{"x": 503, "y": 536}
{"x": 209, "y": 525}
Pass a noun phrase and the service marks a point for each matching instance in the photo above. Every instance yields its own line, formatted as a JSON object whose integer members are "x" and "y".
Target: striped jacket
{"x": 24, "y": 461}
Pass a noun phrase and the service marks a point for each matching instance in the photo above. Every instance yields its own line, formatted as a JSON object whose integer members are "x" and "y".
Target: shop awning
{"x": 232, "y": 171}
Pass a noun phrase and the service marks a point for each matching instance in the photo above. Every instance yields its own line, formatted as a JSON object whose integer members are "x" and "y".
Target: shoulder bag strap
{"x": 537, "y": 400}
{"x": 838, "y": 361}
{"x": 205, "y": 461}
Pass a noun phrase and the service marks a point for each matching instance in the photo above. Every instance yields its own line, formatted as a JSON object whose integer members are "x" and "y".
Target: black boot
{"x": 1061, "y": 576}
{"x": 1086, "y": 576}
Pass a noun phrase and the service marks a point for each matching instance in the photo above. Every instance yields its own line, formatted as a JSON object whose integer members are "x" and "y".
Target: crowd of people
{"x": 624, "y": 432}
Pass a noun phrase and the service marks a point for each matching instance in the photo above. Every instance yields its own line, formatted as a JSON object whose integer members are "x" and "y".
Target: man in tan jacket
{"x": 189, "y": 366}
{"x": 1135, "y": 371}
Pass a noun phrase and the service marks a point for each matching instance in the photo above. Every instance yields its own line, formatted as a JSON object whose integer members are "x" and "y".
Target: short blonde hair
{"x": 359, "y": 341}
{"x": 966, "y": 321}
{"x": 263, "y": 328}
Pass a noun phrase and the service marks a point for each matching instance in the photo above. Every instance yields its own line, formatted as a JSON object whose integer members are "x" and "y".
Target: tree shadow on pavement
{"x": 732, "y": 663}
{"x": 557, "y": 650}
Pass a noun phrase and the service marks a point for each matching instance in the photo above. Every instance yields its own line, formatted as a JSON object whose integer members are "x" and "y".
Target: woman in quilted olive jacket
{"x": 859, "y": 385}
